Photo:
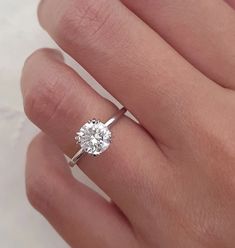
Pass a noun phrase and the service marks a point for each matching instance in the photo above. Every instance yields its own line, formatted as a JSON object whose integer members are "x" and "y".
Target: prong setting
{"x": 94, "y": 137}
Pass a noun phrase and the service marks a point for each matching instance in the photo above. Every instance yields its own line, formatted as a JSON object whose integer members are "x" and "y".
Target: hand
{"x": 171, "y": 178}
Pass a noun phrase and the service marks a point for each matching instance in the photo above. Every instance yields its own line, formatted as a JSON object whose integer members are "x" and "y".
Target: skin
{"x": 170, "y": 177}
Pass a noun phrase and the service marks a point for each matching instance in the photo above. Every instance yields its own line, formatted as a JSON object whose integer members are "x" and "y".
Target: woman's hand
{"x": 171, "y": 178}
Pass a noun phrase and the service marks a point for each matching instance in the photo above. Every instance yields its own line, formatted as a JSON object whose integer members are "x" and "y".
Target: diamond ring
{"x": 94, "y": 137}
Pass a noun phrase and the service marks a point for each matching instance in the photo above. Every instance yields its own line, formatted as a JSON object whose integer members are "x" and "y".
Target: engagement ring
{"x": 94, "y": 137}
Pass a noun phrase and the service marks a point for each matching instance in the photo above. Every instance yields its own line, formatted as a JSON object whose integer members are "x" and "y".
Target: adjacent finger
{"x": 132, "y": 62}
{"x": 81, "y": 216}
{"x": 60, "y": 102}
{"x": 202, "y": 31}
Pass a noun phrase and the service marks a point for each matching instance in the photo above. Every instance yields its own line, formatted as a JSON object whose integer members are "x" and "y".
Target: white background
{"x": 20, "y": 225}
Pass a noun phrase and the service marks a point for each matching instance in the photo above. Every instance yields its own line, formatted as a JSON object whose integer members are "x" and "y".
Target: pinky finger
{"x": 80, "y": 216}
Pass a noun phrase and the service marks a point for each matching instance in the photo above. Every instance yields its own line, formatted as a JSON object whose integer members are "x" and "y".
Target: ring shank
{"x": 76, "y": 157}
{"x": 115, "y": 118}
{"x": 108, "y": 124}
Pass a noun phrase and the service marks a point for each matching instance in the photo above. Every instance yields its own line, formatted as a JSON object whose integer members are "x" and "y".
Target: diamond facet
{"x": 94, "y": 137}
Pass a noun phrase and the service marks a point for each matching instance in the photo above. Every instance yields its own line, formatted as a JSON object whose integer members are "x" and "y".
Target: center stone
{"x": 94, "y": 137}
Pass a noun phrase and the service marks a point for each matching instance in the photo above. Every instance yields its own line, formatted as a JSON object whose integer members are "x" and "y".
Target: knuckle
{"x": 44, "y": 53}
{"x": 35, "y": 54}
{"x": 43, "y": 100}
{"x": 84, "y": 19}
{"x": 39, "y": 193}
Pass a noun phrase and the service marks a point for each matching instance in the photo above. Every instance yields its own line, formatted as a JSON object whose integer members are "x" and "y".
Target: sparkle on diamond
{"x": 94, "y": 137}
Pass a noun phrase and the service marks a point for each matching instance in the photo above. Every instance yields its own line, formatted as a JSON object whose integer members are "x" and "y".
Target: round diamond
{"x": 94, "y": 137}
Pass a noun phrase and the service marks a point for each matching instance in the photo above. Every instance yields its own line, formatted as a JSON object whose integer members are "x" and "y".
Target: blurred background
{"x": 20, "y": 225}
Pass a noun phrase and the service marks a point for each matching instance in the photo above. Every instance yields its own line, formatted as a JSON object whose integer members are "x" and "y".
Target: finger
{"x": 59, "y": 102}
{"x": 82, "y": 218}
{"x": 202, "y": 31}
{"x": 132, "y": 62}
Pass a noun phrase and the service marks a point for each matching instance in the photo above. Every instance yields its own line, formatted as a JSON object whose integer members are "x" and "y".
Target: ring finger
{"x": 59, "y": 102}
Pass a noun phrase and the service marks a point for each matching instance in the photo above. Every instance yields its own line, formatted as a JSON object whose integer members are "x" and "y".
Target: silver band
{"x": 108, "y": 124}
